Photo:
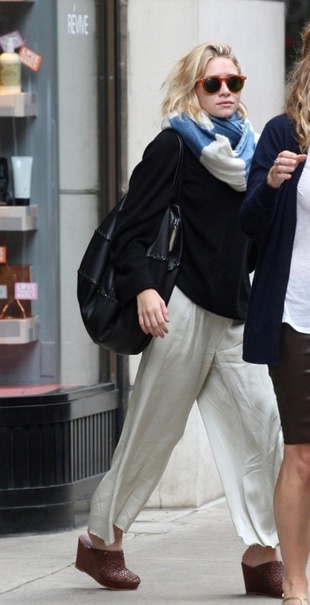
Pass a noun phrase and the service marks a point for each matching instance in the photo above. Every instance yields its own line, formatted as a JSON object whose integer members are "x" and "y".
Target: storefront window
{"x": 59, "y": 164}
{"x": 60, "y": 396}
{"x": 297, "y": 12}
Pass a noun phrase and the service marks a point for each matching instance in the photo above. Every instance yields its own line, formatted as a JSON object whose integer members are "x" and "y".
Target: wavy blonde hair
{"x": 180, "y": 83}
{"x": 297, "y": 104}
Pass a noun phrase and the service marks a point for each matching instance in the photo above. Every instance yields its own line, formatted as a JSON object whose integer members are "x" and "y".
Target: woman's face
{"x": 223, "y": 103}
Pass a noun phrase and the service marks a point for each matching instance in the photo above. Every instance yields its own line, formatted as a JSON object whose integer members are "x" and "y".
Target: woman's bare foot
{"x": 257, "y": 555}
{"x": 100, "y": 544}
{"x": 96, "y": 541}
{"x": 295, "y": 593}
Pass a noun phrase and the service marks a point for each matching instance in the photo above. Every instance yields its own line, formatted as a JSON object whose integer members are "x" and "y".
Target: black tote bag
{"x": 109, "y": 324}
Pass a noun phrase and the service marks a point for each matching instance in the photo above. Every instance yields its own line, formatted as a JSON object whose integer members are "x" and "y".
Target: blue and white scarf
{"x": 224, "y": 146}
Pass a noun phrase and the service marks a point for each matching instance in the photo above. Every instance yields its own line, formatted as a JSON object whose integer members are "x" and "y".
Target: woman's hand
{"x": 283, "y": 167}
{"x": 153, "y": 313}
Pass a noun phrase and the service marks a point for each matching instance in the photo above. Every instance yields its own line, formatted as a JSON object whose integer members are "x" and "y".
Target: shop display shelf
{"x": 18, "y": 105}
{"x": 19, "y": 331}
{"x": 18, "y": 218}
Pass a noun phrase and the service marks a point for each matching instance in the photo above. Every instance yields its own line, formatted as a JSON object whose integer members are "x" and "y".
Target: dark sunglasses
{"x": 213, "y": 83}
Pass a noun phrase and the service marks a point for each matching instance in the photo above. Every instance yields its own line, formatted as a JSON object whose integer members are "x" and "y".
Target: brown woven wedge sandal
{"x": 265, "y": 579}
{"x": 107, "y": 567}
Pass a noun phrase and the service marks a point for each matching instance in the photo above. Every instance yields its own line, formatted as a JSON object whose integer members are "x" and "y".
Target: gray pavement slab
{"x": 183, "y": 557}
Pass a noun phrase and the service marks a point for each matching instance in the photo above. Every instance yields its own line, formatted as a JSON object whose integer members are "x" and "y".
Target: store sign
{"x": 77, "y": 24}
{"x": 29, "y": 58}
{"x": 15, "y": 36}
{"x": 26, "y": 291}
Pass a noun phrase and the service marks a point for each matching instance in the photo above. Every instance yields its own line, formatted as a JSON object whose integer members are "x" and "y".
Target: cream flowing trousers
{"x": 200, "y": 359}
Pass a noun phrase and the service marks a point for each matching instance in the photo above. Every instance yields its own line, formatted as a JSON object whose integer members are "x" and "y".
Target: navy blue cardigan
{"x": 270, "y": 215}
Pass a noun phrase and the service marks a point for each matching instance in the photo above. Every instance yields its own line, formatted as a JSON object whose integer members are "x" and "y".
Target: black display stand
{"x": 55, "y": 448}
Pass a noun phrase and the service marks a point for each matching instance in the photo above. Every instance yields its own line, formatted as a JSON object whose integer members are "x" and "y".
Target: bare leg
{"x": 254, "y": 555}
{"x": 292, "y": 506}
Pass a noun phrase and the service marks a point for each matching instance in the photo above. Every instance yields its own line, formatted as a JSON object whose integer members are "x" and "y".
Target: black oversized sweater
{"x": 214, "y": 270}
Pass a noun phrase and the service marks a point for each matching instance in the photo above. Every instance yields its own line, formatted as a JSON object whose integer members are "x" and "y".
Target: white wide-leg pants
{"x": 200, "y": 359}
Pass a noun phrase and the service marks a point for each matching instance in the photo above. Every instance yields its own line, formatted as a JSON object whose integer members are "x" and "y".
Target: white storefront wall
{"x": 159, "y": 32}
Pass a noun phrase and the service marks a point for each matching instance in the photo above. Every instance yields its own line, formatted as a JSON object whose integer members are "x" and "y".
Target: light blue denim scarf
{"x": 224, "y": 146}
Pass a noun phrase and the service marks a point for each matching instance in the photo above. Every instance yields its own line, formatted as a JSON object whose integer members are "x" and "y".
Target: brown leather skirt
{"x": 291, "y": 381}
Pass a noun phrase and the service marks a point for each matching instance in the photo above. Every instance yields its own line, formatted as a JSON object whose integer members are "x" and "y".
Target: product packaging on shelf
{"x": 10, "y": 70}
{"x": 4, "y": 182}
{"x": 22, "y": 171}
{"x": 10, "y": 306}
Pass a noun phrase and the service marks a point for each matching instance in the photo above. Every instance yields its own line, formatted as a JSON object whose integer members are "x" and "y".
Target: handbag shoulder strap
{"x": 178, "y": 176}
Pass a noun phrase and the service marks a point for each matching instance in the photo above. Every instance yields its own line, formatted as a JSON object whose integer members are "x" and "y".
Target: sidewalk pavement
{"x": 184, "y": 557}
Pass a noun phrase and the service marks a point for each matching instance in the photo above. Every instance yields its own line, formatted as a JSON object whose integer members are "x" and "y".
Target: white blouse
{"x": 297, "y": 300}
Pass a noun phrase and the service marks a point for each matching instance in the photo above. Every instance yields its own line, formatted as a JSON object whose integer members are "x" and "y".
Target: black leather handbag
{"x": 109, "y": 324}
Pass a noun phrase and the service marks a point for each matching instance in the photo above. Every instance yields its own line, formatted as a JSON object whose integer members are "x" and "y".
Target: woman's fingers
{"x": 153, "y": 313}
{"x": 283, "y": 167}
